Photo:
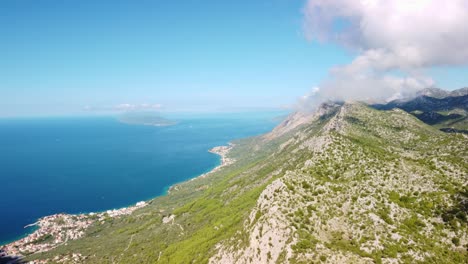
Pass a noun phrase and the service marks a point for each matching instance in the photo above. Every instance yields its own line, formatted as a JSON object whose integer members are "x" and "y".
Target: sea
{"x": 91, "y": 164}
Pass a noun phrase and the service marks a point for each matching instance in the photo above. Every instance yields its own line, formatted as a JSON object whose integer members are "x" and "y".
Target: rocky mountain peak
{"x": 302, "y": 117}
{"x": 440, "y": 93}
{"x": 433, "y": 92}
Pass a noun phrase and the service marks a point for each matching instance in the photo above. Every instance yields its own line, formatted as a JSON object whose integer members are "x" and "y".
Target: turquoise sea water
{"x": 75, "y": 165}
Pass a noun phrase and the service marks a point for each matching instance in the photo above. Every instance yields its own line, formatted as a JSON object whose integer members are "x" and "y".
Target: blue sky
{"x": 59, "y": 57}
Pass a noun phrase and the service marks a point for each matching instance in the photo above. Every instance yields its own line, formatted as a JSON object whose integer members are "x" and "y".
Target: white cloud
{"x": 308, "y": 99}
{"x": 408, "y": 36}
{"x": 344, "y": 86}
{"x": 124, "y": 107}
{"x": 402, "y": 34}
{"x": 137, "y": 107}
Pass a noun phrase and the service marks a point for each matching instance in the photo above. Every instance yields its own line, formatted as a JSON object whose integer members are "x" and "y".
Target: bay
{"x": 88, "y": 164}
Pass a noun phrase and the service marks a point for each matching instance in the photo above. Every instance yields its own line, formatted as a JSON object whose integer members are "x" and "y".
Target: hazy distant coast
{"x": 145, "y": 118}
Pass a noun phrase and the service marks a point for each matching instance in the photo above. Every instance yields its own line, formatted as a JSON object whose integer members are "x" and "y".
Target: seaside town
{"x": 57, "y": 229}
{"x": 223, "y": 151}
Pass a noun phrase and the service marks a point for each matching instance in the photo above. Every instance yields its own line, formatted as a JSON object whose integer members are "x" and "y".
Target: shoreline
{"x": 221, "y": 151}
{"x": 55, "y": 230}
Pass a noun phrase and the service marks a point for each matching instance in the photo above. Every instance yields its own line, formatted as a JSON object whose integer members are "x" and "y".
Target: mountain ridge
{"x": 445, "y": 110}
{"x": 440, "y": 93}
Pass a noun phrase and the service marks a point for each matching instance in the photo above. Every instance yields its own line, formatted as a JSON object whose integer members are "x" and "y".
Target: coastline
{"x": 221, "y": 151}
{"x": 55, "y": 230}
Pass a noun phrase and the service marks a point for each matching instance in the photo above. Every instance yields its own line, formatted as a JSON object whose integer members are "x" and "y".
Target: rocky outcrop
{"x": 301, "y": 118}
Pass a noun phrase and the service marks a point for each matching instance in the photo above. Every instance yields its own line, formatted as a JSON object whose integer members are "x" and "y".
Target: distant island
{"x": 144, "y": 118}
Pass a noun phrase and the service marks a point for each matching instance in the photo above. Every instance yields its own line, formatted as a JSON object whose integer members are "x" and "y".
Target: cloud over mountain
{"x": 400, "y": 36}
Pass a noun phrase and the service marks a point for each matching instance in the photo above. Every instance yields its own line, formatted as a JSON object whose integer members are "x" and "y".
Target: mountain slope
{"x": 351, "y": 184}
{"x": 373, "y": 187}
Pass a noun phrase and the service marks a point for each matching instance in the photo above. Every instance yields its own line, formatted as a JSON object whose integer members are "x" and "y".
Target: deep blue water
{"x": 75, "y": 165}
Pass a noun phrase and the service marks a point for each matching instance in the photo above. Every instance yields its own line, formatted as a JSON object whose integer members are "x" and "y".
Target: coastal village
{"x": 223, "y": 151}
{"x": 57, "y": 229}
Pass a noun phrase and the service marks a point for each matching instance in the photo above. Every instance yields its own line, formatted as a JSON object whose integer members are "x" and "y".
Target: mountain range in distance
{"x": 445, "y": 110}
